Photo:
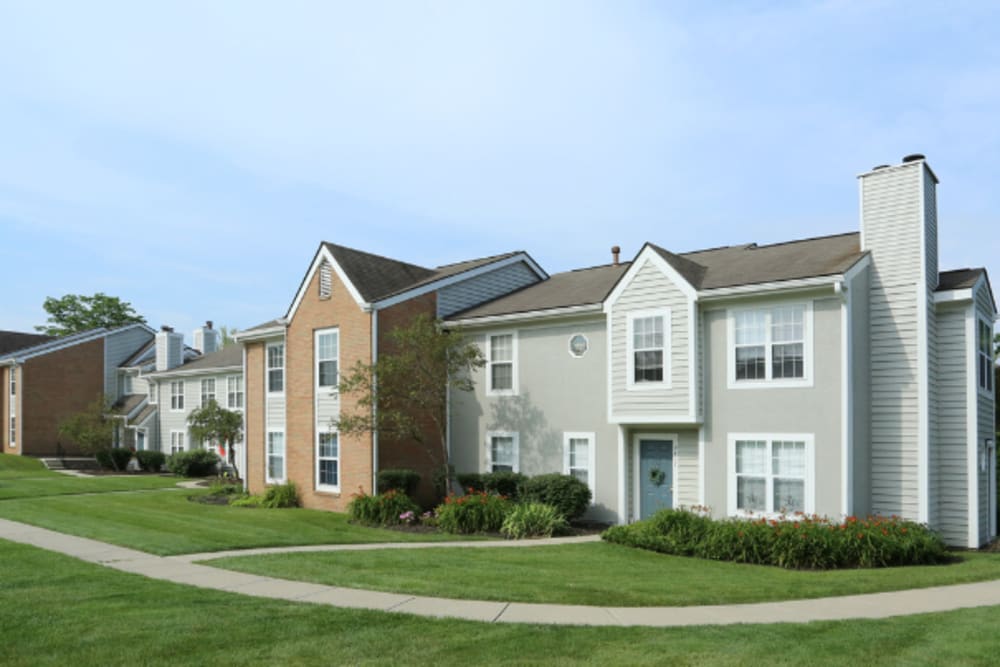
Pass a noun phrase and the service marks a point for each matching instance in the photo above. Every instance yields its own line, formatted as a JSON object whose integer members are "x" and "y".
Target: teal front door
{"x": 656, "y": 476}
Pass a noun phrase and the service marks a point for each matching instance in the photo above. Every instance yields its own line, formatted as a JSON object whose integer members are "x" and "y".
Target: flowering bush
{"x": 475, "y": 512}
{"x": 385, "y": 509}
{"x": 798, "y": 541}
{"x": 532, "y": 520}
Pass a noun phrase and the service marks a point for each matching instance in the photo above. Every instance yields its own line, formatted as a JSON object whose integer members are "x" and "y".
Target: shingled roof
{"x": 958, "y": 279}
{"x": 11, "y": 341}
{"x": 227, "y": 357}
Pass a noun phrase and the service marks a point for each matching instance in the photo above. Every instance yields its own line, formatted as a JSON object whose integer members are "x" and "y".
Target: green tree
{"x": 91, "y": 428}
{"x": 213, "y": 422}
{"x": 77, "y": 312}
{"x": 409, "y": 383}
{"x": 226, "y": 336}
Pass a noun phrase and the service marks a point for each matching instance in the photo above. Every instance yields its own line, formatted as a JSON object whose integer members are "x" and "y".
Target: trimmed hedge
{"x": 401, "y": 479}
{"x": 114, "y": 459}
{"x": 532, "y": 520}
{"x": 507, "y": 484}
{"x": 564, "y": 492}
{"x": 478, "y": 512}
{"x": 384, "y": 509}
{"x": 193, "y": 463}
{"x": 795, "y": 542}
{"x": 151, "y": 460}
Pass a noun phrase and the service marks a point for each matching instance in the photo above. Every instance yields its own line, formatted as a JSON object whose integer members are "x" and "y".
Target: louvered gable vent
{"x": 324, "y": 280}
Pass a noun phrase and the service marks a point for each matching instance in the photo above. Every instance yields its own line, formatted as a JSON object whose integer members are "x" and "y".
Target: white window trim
{"x": 183, "y": 385}
{"x": 630, "y": 383}
{"x": 328, "y": 487}
{"x": 153, "y": 391}
{"x": 809, "y": 491}
{"x": 201, "y": 391}
{"x": 316, "y": 334}
{"x": 268, "y": 369}
{"x": 490, "y": 391}
{"x": 981, "y": 322}
{"x": 591, "y": 439}
{"x": 183, "y": 438}
{"x": 807, "y": 349}
{"x": 267, "y": 455}
{"x": 238, "y": 378}
{"x": 12, "y": 407}
{"x": 515, "y": 436}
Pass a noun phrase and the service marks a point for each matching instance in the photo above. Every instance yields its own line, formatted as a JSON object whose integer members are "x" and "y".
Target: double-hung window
{"x": 770, "y": 474}
{"x": 328, "y": 461}
{"x": 985, "y": 356}
{"x": 275, "y": 456}
{"x": 578, "y": 457}
{"x": 207, "y": 391}
{"x": 176, "y": 441}
{"x": 770, "y": 345}
{"x": 327, "y": 358}
{"x": 153, "y": 386}
{"x": 276, "y": 368}
{"x": 177, "y": 395}
{"x": 502, "y": 451}
{"x": 648, "y": 349}
{"x": 234, "y": 392}
{"x": 501, "y": 363}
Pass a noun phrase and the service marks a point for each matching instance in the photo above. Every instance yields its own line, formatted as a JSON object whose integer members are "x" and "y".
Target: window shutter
{"x": 324, "y": 280}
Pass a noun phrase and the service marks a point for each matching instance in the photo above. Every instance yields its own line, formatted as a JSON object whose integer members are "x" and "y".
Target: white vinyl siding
{"x": 501, "y": 363}
{"x": 177, "y": 395}
{"x": 483, "y": 288}
{"x": 502, "y": 451}
{"x": 771, "y": 474}
{"x": 949, "y": 457}
{"x": 275, "y": 457}
{"x": 579, "y": 456}
{"x": 234, "y": 392}
{"x": 275, "y": 367}
{"x": 327, "y": 461}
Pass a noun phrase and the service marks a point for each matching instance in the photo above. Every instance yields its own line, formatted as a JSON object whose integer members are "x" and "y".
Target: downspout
{"x": 374, "y": 402}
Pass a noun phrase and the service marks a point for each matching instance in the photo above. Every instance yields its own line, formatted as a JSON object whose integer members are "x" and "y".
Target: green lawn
{"x": 594, "y": 574}
{"x": 56, "y": 610}
{"x": 26, "y": 477}
{"x": 166, "y": 523}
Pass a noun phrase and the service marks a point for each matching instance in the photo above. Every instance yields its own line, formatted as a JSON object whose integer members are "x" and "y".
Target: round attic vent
{"x": 915, "y": 157}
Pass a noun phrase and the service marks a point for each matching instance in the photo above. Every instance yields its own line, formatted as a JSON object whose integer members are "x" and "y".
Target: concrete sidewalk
{"x": 181, "y": 570}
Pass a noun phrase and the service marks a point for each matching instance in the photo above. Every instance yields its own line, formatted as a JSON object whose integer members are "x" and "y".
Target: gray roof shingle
{"x": 11, "y": 341}
{"x": 958, "y": 279}
{"x": 231, "y": 355}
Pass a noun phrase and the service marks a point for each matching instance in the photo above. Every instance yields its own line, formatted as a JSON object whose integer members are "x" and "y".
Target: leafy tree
{"x": 226, "y": 336}
{"x": 409, "y": 383}
{"x": 213, "y": 422}
{"x": 92, "y": 428}
{"x": 76, "y": 312}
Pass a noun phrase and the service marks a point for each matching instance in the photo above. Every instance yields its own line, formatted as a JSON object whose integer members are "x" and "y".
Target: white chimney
{"x": 169, "y": 349}
{"x": 206, "y": 339}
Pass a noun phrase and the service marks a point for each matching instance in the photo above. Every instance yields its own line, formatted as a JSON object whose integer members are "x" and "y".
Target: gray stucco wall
{"x": 557, "y": 393}
{"x": 801, "y": 410}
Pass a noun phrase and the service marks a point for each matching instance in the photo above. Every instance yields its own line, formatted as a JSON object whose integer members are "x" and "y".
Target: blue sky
{"x": 189, "y": 157}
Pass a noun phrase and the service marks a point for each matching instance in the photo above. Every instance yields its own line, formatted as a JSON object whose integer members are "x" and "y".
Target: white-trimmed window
{"x": 126, "y": 384}
{"x": 325, "y": 279}
{"x": 771, "y": 474}
{"x": 502, "y": 451}
{"x": 276, "y": 368}
{"x": 177, "y": 441}
{"x": 177, "y": 395}
{"x": 328, "y": 461}
{"x": 649, "y": 349}
{"x": 770, "y": 346}
{"x": 13, "y": 430}
{"x": 579, "y": 453}
{"x": 234, "y": 392}
{"x": 275, "y": 456}
{"x": 501, "y": 363}
{"x": 207, "y": 391}
{"x": 12, "y": 405}
{"x": 984, "y": 356}
{"x": 153, "y": 391}
{"x": 327, "y": 358}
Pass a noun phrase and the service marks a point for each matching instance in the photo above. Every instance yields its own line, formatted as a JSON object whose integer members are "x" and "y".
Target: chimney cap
{"x": 615, "y": 250}
{"x": 914, "y": 157}
{"x": 208, "y": 324}
{"x": 880, "y": 166}
{"x": 164, "y": 327}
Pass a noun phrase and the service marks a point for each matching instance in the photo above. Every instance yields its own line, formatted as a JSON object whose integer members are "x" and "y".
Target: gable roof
{"x": 11, "y": 341}
{"x": 562, "y": 290}
{"x": 375, "y": 276}
{"x": 230, "y": 356}
{"x": 958, "y": 279}
{"x": 56, "y": 343}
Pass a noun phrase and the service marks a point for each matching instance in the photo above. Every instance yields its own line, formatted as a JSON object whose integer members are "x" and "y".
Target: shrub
{"x": 564, "y": 492}
{"x": 384, "y": 509}
{"x": 470, "y": 480}
{"x": 114, "y": 459}
{"x": 795, "y": 542}
{"x": 151, "y": 460}
{"x": 193, "y": 463}
{"x": 532, "y": 520}
{"x": 509, "y": 484}
{"x": 402, "y": 480}
{"x": 225, "y": 487}
{"x": 477, "y": 512}
{"x": 279, "y": 496}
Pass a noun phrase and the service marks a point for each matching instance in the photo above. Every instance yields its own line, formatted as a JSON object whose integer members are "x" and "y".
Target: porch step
{"x": 71, "y": 463}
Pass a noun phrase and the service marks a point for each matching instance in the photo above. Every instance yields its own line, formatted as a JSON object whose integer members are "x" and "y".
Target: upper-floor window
{"x": 234, "y": 392}
{"x": 325, "y": 280}
{"x": 207, "y": 391}
{"x": 13, "y": 380}
{"x": 770, "y": 345}
{"x": 501, "y": 363}
{"x": 327, "y": 357}
{"x": 985, "y": 356}
{"x": 153, "y": 391}
{"x": 177, "y": 395}
{"x": 648, "y": 349}
{"x": 276, "y": 368}
{"x": 770, "y": 474}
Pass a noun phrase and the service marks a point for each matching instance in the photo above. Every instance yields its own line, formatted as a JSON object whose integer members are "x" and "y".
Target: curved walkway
{"x": 181, "y": 570}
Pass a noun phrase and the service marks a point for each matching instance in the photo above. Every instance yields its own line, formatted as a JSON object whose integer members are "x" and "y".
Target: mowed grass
{"x": 594, "y": 574}
{"x": 167, "y": 523}
{"x": 26, "y": 477}
{"x": 57, "y": 610}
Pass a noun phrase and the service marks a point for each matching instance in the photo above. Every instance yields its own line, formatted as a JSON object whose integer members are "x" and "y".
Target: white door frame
{"x": 637, "y": 438}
